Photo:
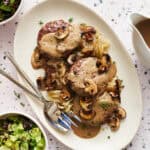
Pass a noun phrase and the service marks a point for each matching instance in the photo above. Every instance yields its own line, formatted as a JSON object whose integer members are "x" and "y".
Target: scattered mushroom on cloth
{"x": 80, "y": 75}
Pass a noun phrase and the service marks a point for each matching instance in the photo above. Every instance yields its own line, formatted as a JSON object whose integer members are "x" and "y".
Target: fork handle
{"x": 19, "y": 85}
{"x": 23, "y": 74}
{"x": 38, "y": 94}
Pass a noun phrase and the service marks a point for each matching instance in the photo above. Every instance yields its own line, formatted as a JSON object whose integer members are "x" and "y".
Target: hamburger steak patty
{"x": 85, "y": 78}
{"x": 51, "y": 27}
{"x": 59, "y": 38}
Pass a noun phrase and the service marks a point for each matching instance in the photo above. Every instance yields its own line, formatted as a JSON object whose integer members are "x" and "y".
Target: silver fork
{"x": 58, "y": 119}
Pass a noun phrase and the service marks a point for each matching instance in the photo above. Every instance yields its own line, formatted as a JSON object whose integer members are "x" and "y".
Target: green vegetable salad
{"x": 20, "y": 133}
{"x": 8, "y": 8}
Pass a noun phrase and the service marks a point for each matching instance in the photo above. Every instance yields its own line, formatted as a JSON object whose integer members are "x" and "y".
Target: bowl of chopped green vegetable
{"x": 9, "y": 10}
{"x": 19, "y": 131}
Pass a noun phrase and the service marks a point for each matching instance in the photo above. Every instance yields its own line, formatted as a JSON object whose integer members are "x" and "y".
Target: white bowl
{"x": 6, "y": 114}
{"x": 14, "y": 15}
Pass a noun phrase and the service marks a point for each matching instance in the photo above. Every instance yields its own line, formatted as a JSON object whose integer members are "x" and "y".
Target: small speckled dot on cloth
{"x": 115, "y": 13}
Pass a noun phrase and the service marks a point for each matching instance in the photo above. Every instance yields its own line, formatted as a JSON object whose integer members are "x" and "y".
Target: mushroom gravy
{"x": 80, "y": 75}
{"x": 86, "y": 131}
{"x": 144, "y": 29}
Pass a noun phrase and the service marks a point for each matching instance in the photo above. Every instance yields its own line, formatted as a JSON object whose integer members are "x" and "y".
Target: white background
{"x": 116, "y": 13}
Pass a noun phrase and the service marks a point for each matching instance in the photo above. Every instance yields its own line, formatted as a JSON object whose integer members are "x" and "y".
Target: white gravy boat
{"x": 142, "y": 49}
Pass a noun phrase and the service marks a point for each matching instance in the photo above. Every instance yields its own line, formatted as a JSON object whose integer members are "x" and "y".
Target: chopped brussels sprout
{"x": 20, "y": 133}
{"x": 8, "y": 8}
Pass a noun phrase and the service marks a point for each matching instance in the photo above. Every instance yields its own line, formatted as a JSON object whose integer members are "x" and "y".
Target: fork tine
{"x": 57, "y": 125}
{"x": 67, "y": 118}
{"x": 71, "y": 114}
{"x": 61, "y": 128}
{"x": 53, "y": 110}
{"x": 76, "y": 117}
{"x": 63, "y": 123}
{"x": 57, "y": 116}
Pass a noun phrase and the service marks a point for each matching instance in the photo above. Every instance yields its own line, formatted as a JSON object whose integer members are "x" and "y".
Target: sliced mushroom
{"x": 71, "y": 42}
{"x": 75, "y": 57}
{"x": 87, "y": 115}
{"x": 71, "y": 59}
{"x": 61, "y": 69}
{"x": 55, "y": 94}
{"x": 88, "y": 40}
{"x": 104, "y": 63}
{"x": 44, "y": 83}
{"x": 65, "y": 106}
{"x": 114, "y": 94}
{"x": 65, "y": 95}
{"x": 61, "y": 107}
{"x": 119, "y": 84}
{"x": 86, "y": 29}
{"x": 115, "y": 90}
{"x": 88, "y": 48}
{"x": 68, "y": 106}
{"x": 62, "y": 33}
{"x": 86, "y": 104}
{"x": 114, "y": 123}
{"x": 63, "y": 80}
{"x": 121, "y": 113}
{"x": 35, "y": 59}
{"x": 90, "y": 86}
{"x": 86, "y": 111}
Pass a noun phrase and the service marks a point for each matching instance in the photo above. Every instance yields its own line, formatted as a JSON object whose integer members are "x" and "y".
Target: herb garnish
{"x": 101, "y": 1}
{"x": 18, "y": 95}
{"x": 41, "y": 22}
{"x": 8, "y": 8}
{"x": 70, "y": 19}
{"x": 4, "y": 57}
{"x": 22, "y": 104}
{"x": 105, "y": 105}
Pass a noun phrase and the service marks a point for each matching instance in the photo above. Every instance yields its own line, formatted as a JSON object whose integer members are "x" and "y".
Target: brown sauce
{"x": 85, "y": 131}
{"x": 144, "y": 29}
{"x": 90, "y": 128}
